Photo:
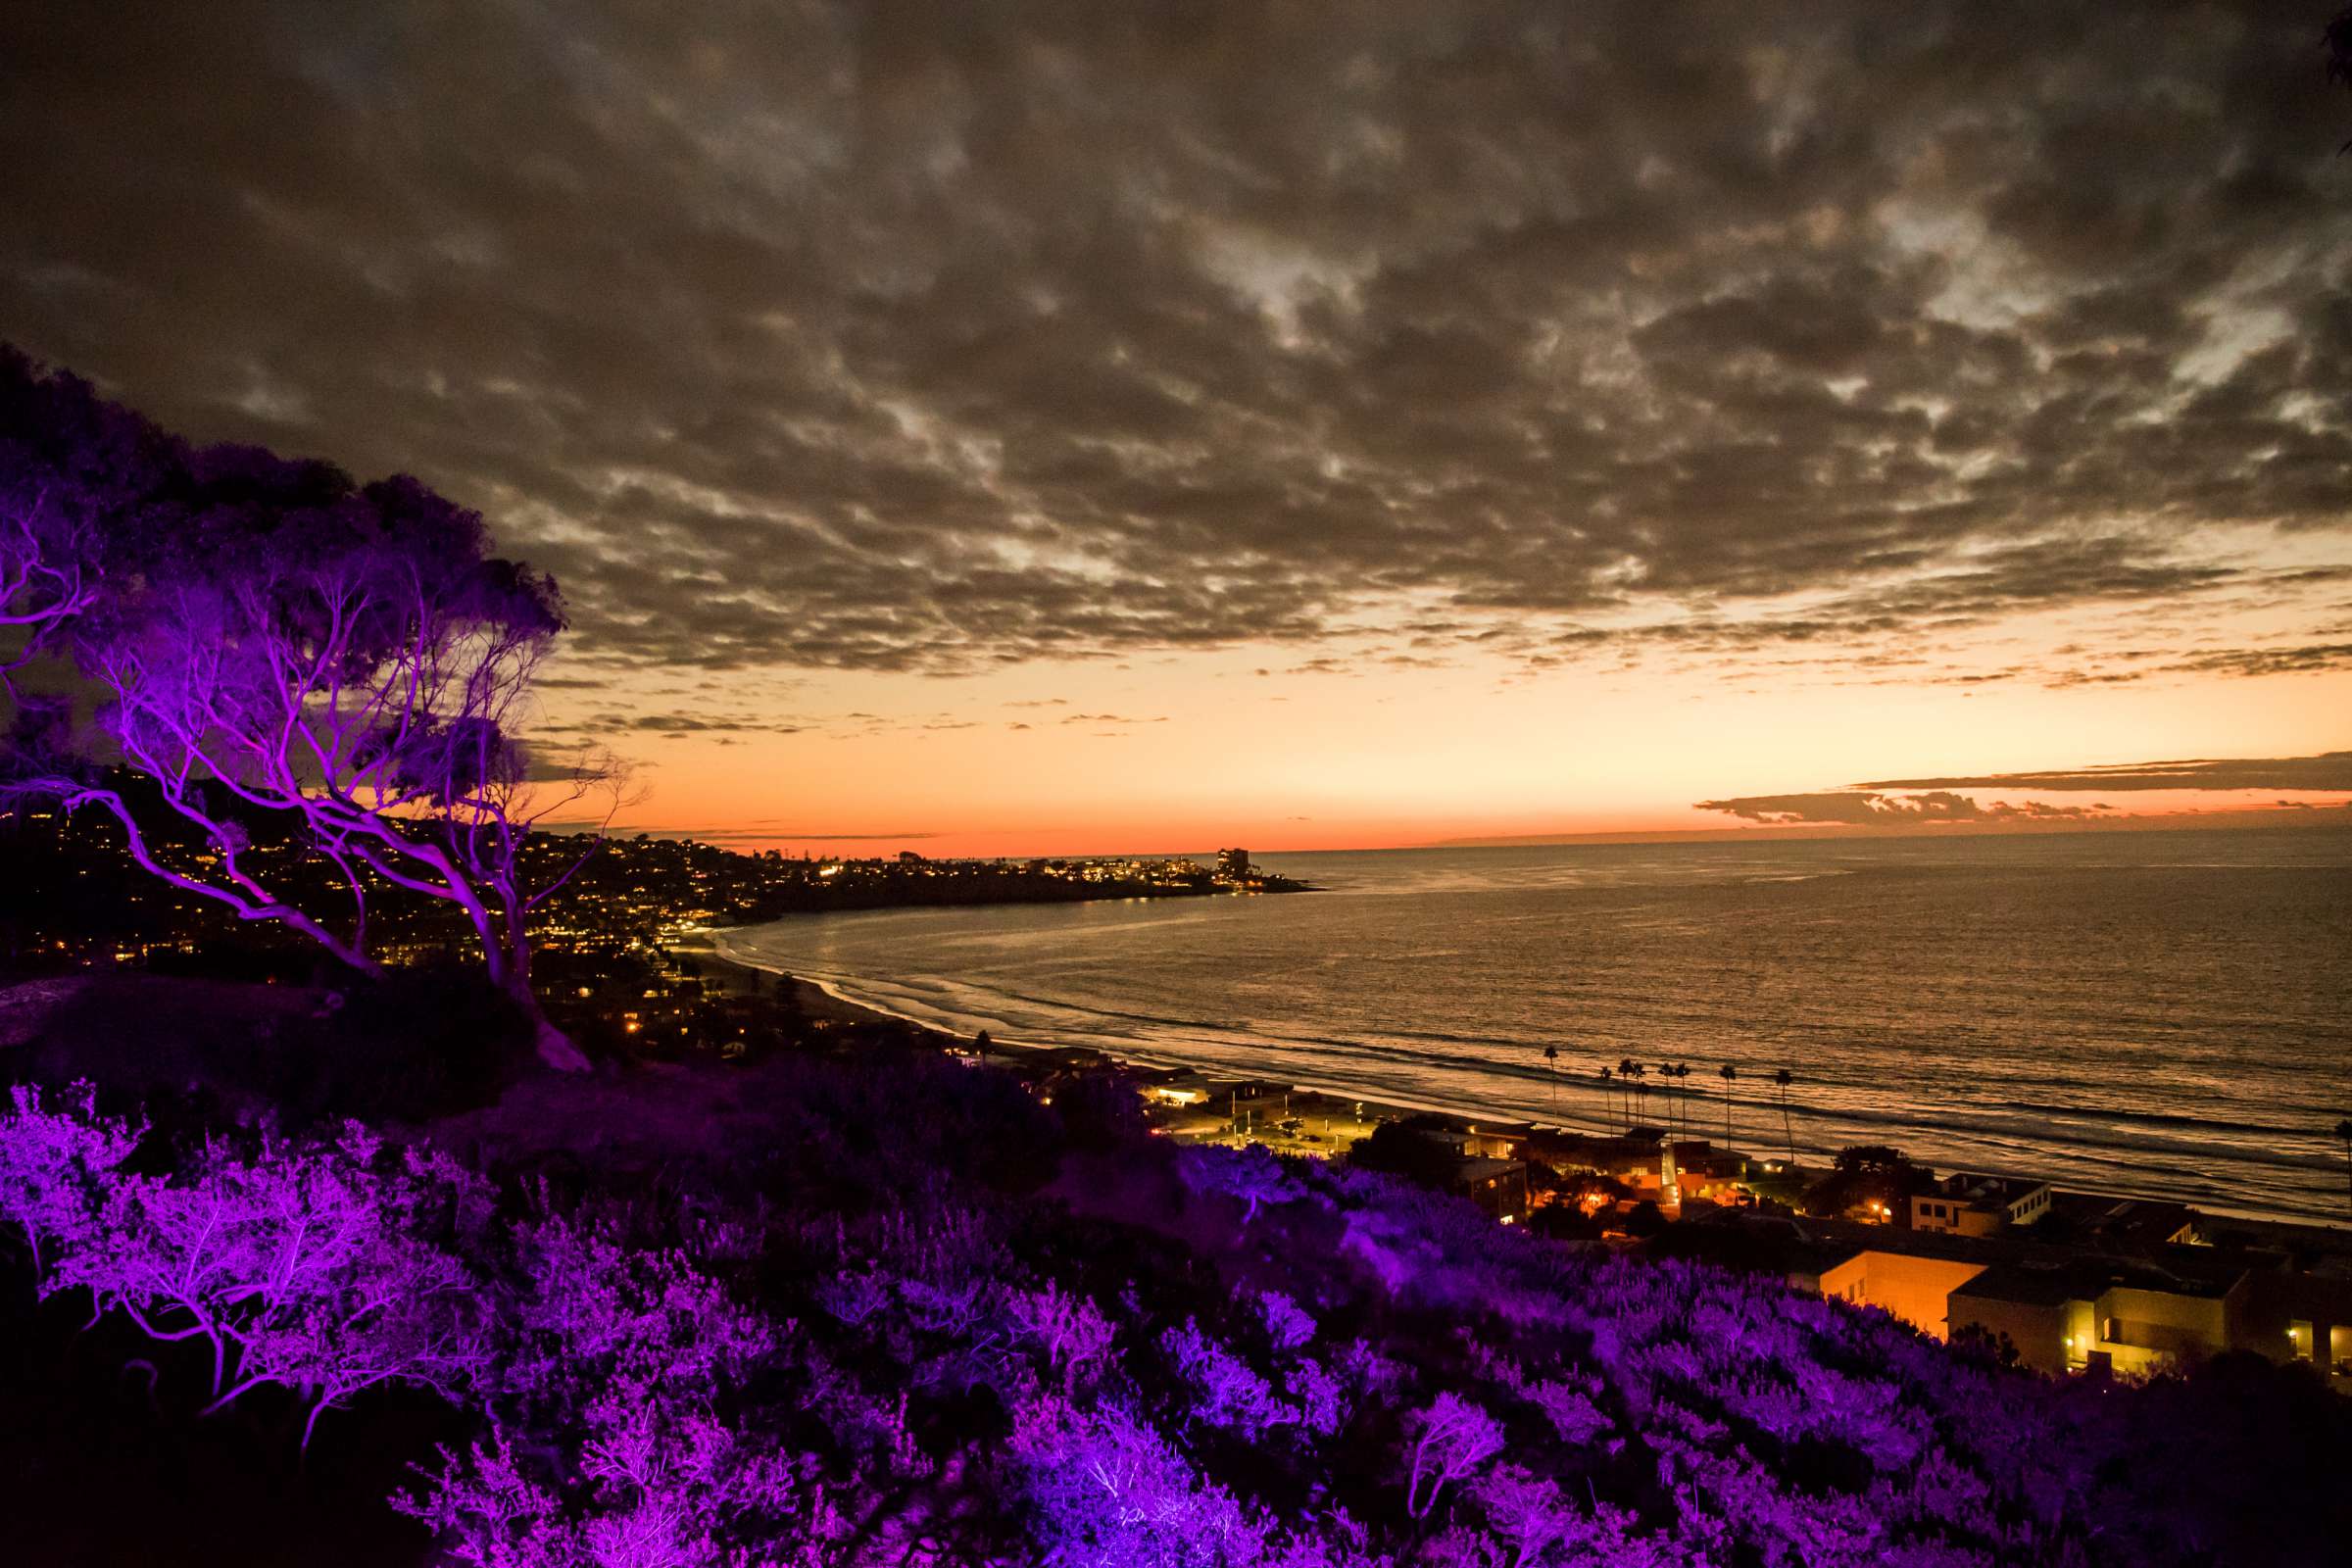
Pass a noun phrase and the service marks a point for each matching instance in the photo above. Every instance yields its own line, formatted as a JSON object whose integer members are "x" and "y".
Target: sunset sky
{"x": 1054, "y": 428}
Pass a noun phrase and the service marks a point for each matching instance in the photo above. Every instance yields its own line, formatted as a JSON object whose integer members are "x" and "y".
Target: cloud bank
{"x": 1936, "y": 800}
{"x": 1869, "y": 808}
{"x": 907, "y": 337}
{"x": 2328, "y": 770}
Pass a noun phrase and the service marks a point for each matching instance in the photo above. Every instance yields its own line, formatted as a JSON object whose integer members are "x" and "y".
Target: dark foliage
{"x": 1404, "y": 1148}
{"x": 881, "y": 1306}
{"x": 413, "y": 1046}
{"x": 1867, "y": 1173}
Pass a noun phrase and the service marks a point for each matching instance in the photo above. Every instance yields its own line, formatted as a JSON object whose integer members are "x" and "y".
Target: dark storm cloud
{"x": 938, "y": 337}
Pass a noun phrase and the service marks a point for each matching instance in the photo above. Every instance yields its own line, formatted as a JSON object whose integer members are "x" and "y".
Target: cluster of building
{"x": 2054, "y": 1280}
{"x": 2069, "y": 1282}
{"x": 1196, "y": 1107}
{"x": 86, "y": 902}
{"x": 1165, "y": 873}
{"x": 2058, "y": 1281}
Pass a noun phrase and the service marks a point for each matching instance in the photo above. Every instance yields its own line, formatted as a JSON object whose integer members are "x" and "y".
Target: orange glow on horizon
{"x": 1188, "y": 751}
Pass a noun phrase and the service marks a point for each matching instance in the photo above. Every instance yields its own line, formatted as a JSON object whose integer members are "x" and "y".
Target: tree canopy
{"x": 254, "y": 633}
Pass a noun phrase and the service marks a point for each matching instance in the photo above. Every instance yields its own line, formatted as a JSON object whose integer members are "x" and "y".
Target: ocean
{"x": 2166, "y": 1013}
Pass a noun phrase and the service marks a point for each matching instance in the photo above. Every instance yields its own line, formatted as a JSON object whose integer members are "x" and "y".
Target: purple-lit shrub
{"x": 1225, "y": 1391}
{"x": 313, "y": 1268}
{"x": 1110, "y": 1492}
{"x": 1453, "y": 1438}
{"x": 56, "y": 1169}
{"x": 1069, "y": 1328}
{"x": 1185, "y": 1359}
{"x": 1287, "y": 1324}
{"x": 592, "y": 1312}
{"x": 650, "y": 1485}
{"x": 619, "y": 1357}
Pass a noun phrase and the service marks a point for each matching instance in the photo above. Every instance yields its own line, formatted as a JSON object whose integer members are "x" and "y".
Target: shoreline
{"x": 821, "y": 999}
{"x": 811, "y": 996}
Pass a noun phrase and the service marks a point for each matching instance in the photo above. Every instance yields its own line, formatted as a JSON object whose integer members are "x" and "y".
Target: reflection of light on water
{"x": 1978, "y": 1005}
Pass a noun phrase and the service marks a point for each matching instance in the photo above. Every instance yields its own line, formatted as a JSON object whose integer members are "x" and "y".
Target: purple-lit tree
{"x": 1069, "y": 1328}
{"x": 1254, "y": 1175}
{"x": 363, "y": 669}
{"x": 311, "y": 1268}
{"x": 67, "y": 459}
{"x": 44, "y": 575}
{"x": 1454, "y": 1439}
{"x": 270, "y": 641}
{"x": 618, "y": 1356}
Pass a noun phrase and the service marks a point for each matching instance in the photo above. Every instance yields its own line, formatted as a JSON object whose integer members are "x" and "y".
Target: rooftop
{"x": 2015, "y": 1282}
{"x": 1979, "y": 1189}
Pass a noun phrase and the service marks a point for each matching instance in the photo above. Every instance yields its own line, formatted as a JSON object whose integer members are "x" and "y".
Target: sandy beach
{"x": 723, "y": 972}
{"x": 1362, "y": 1112}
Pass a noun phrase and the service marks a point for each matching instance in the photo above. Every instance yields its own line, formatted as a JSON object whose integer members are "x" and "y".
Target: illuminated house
{"x": 2069, "y": 1317}
{"x": 1480, "y": 1140}
{"x": 2059, "y": 1309}
{"x": 1632, "y": 1156}
{"x": 1916, "y": 1287}
{"x": 1971, "y": 1204}
{"x": 2317, "y": 1305}
{"x": 2303, "y": 1289}
{"x": 1498, "y": 1186}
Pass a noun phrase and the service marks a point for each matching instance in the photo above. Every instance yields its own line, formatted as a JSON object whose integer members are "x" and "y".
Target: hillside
{"x": 873, "y": 1305}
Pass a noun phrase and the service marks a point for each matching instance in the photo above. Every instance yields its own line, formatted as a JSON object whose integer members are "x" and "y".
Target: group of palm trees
{"x": 1628, "y": 1086}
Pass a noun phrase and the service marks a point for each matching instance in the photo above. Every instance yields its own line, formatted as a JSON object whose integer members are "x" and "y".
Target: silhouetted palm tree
{"x": 1552, "y": 1070}
{"x": 2343, "y": 1130}
{"x": 1783, "y": 1079}
{"x": 1726, "y": 1072}
{"x": 1666, "y": 1084}
{"x": 1608, "y": 1087}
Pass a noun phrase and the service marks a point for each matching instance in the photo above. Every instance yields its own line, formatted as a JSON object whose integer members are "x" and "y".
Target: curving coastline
{"x": 1962, "y": 1005}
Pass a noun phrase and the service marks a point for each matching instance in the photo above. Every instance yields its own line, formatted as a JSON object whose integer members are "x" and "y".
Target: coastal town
{"x": 616, "y": 904}
{"x": 2055, "y": 1280}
